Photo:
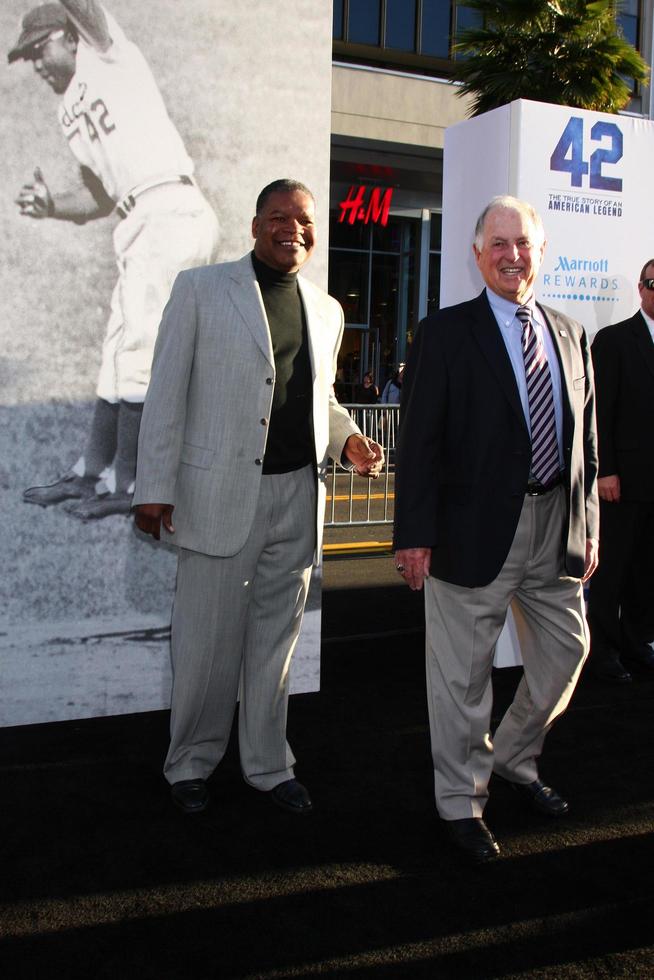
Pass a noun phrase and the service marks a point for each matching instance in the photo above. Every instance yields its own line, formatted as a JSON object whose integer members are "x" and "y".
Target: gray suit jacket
{"x": 204, "y": 426}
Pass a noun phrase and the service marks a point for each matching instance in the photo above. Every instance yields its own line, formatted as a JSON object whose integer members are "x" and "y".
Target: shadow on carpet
{"x": 103, "y": 878}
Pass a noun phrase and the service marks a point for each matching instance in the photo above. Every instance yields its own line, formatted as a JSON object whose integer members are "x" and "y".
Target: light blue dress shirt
{"x": 511, "y": 331}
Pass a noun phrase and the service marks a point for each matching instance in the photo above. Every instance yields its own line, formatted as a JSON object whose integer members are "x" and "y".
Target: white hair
{"x": 508, "y": 203}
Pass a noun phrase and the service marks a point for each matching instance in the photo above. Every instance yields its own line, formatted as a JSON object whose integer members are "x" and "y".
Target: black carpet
{"x": 102, "y": 878}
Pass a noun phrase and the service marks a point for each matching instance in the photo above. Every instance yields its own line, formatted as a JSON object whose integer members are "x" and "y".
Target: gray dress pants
{"x": 236, "y": 621}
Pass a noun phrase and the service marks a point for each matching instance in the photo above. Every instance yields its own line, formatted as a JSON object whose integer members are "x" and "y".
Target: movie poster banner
{"x": 132, "y": 150}
{"x": 586, "y": 173}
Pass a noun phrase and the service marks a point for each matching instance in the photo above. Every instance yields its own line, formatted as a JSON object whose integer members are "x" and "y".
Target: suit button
{"x": 264, "y": 421}
{"x": 258, "y": 462}
{"x": 269, "y": 381}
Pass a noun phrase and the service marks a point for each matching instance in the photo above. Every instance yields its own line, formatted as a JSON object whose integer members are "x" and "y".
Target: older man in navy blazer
{"x": 239, "y": 422}
{"x": 495, "y": 506}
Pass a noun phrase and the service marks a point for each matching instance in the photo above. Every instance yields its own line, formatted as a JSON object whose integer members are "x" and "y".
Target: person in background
{"x": 367, "y": 393}
{"x": 621, "y": 593}
{"x": 393, "y": 388}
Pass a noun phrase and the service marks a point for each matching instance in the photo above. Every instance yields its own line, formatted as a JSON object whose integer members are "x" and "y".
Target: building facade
{"x": 392, "y": 100}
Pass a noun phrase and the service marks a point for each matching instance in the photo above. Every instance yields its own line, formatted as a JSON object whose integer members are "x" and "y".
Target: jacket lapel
{"x": 245, "y": 294}
{"x": 643, "y": 340}
{"x": 487, "y": 334}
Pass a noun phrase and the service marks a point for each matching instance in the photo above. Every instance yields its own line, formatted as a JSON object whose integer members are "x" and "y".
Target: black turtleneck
{"x": 290, "y": 434}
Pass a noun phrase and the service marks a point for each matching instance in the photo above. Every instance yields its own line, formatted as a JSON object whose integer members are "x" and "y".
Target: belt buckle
{"x": 125, "y": 206}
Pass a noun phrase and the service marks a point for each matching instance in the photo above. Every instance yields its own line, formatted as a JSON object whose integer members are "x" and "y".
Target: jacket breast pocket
{"x": 196, "y": 456}
{"x": 579, "y": 383}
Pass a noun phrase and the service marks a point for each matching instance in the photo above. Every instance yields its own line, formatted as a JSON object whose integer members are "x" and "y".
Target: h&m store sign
{"x": 366, "y": 205}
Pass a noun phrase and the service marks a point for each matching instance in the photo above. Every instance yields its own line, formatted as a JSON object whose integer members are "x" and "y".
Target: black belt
{"x": 536, "y": 489}
{"x": 129, "y": 201}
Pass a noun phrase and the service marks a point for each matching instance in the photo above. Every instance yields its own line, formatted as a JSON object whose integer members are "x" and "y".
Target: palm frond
{"x": 568, "y": 52}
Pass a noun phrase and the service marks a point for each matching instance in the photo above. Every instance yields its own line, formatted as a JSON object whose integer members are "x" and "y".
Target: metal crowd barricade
{"x": 353, "y": 501}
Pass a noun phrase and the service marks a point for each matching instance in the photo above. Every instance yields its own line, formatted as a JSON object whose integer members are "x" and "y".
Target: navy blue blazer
{"x": 464, "y": 448}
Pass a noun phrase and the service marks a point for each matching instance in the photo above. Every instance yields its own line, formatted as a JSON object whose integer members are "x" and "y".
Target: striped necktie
{"x": 544, "y": 444}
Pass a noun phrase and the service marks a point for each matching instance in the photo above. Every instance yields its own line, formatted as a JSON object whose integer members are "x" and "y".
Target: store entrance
{"x": 358, "y": 355}
{"x": 372, "y": 275}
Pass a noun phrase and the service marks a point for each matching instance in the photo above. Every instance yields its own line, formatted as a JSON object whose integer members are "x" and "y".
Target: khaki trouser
{"x": 463, "y": 626}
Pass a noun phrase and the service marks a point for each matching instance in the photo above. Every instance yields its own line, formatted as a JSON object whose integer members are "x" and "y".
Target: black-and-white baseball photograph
{"x": 136, "y": 139}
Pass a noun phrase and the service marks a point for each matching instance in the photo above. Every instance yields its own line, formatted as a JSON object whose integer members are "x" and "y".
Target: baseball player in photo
{"x": 133, "y": 165}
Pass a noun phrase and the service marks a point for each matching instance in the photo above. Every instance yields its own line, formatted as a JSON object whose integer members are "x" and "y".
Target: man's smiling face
{"x": 511, "y": 253}
{"x": 285, "y": 231}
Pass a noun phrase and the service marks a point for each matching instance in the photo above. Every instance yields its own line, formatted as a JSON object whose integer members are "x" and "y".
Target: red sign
{"x": 376, "y": 209}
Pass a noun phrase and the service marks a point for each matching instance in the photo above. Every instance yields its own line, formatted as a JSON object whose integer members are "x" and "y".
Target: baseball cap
{"x": 35, "y": 27}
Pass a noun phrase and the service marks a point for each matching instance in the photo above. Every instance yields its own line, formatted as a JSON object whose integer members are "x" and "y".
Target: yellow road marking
{"x": 358, "y": 546}
{"x": 362, "y": 496}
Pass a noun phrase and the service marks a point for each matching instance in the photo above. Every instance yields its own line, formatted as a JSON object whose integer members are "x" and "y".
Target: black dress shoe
{"x": 190, "y": 795}
{"x": 640, "y": 654}
{"x": 292, "y": 796}
{"x": 543, "y": 798}
{"x": 473, "y": 837}
{"x": 609, "y": 669}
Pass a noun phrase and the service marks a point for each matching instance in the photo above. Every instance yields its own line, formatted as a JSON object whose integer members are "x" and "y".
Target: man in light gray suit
{"x": 239, "y": 421}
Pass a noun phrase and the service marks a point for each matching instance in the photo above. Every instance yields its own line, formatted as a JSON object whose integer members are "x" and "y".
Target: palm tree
{"x": 569, "y": 52}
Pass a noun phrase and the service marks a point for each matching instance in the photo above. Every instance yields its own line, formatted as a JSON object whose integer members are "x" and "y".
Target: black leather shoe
{"x": 543, "y": 798}
{"x": 473, "y": 837}
{"x": 610, "y": 669}
{"x": 68, "y": 487}
{"x": 190, "y": 795}
{"x": 640, "y": 654}
{"x": 292, "y": 796}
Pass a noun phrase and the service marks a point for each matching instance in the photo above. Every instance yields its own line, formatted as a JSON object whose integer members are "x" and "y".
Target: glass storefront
{"x": 386, "y": 277}
{"x": 372, "y": 274}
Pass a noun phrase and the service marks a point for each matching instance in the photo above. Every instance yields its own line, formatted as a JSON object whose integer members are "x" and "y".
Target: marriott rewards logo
{"x": 578, "y": 278}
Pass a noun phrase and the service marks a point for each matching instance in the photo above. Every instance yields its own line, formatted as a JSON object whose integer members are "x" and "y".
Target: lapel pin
{"x": 562, "y": 333}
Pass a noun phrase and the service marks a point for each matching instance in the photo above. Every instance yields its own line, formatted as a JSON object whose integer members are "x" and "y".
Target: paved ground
{"x": 102, "y": 878}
